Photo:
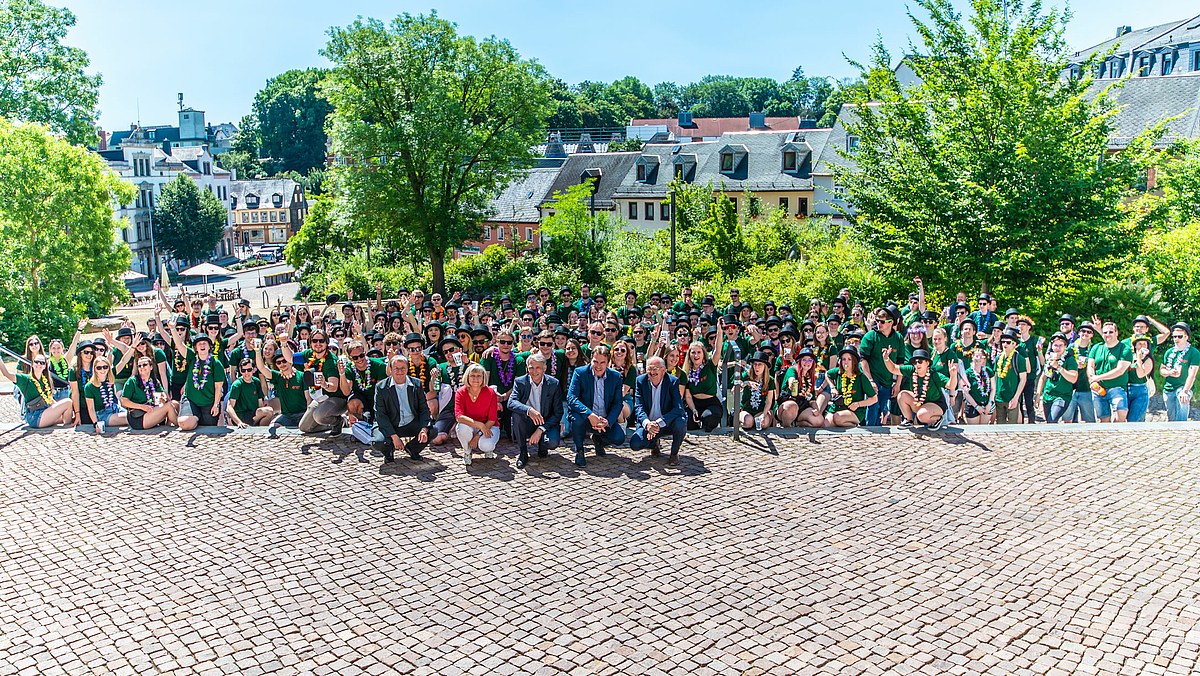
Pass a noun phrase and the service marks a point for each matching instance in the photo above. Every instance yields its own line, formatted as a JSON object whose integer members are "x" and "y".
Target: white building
{"x": 147, "y": 164}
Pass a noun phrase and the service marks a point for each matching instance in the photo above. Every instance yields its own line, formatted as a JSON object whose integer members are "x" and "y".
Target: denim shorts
{"x": 107, "y": 413}
{"x": 1114, "y": 399}
{"x": 32, "y": 418}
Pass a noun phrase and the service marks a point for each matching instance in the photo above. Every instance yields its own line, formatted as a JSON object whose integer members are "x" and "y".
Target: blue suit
{"x": 672, "y": 420}
{"x": 580, "y": 398}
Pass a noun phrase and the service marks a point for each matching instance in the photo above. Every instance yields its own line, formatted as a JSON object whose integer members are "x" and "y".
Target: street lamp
{"x": 594, "y": 175}
{"x": 671, "y": 269}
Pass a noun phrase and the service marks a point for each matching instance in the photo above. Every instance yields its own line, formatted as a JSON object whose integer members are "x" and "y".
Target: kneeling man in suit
{"x": 658, "y": 409}
{"x": 594, "y": 400}
{"x": 400, "y": 411}
{"x": 537, "y": 409}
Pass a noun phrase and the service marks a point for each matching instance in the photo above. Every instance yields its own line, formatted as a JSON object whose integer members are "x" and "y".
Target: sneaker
{"x": 490, "y": 455}
{"x": 936, "y": 425}
{"x": 335, "y": 430}
{"x": 905, "y": 423}
{"x": 99, "y": 427}
{"x": 467, "y": 457}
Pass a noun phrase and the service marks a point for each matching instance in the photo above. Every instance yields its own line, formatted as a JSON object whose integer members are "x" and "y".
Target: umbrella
{"x": 130, "y": 275}
{"x": 205, "y": 270}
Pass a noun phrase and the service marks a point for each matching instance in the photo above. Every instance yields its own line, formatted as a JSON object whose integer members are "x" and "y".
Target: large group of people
{"x": 422, "y": 369}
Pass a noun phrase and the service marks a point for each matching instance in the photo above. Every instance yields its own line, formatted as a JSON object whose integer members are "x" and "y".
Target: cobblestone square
{"x": 1040, "y": 552}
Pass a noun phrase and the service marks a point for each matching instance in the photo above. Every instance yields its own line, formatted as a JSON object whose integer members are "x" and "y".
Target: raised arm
{"x": 888, "y": 363}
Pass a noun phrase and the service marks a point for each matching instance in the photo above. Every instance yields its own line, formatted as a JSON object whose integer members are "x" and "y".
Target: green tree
{"x": 241, "y": 163}
{"x": 188, "y": 221}
{"x": 991, "y": 173}
{"x": 43, "y": 79}
{"x": 435, "y": 123}
{"x": 571, "y": 235}
{"x": 57, "y": 231}
{"x": 726, "y": 240}
{"x": 291, "y": 115}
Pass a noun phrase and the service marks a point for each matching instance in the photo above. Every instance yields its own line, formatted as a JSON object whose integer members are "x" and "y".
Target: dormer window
{"x": 641, "y": 172}
{"x": 647, "y": 168}
{"x": 732, "y": 156}
{"x": 1168, "y": 62}
{"x": 789, "y": 161}
{"x": 1144, "y": 66}
{"x": 685, "y": 167}
{"x": 793, "y": 155}
{"x": 851, "y": 144}
{"x": 277, "y": 200}
{"x": 726, "y": 162}
{"x": 251, "y": 201}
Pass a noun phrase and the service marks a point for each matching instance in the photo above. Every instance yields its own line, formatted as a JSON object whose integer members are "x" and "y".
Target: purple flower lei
{"x": 507, "y": 369}
{"x": 694, "y": 375}
{"x": 201, "y": 366}
{"x": 108, "y": 395}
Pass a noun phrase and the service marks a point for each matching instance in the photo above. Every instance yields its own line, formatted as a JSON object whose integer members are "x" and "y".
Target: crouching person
{"x": 659, "y": 411}
{"x": 537, "y": 409}
{"x": 400, "y": 411}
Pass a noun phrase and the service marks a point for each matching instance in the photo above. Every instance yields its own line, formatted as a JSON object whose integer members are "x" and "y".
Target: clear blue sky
{"x": 219, "y": 53}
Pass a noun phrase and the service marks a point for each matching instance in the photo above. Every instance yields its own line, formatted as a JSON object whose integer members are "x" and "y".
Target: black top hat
{"x": 481, "y": 330}
{"x": 1183, "y": 326}
{"x": 920, "y": 354}
{"x": 413, "y": 338}
{"x": 450, "y": 340}
{"x": 762, "y": 356}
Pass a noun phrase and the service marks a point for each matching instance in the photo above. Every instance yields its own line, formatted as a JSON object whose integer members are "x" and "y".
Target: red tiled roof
{"x": 715, "y": 126}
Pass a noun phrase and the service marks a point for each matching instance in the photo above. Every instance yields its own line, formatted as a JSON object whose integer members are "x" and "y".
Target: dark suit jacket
{"x": 387, "y": 405}
{"x": 551, "y": 405}
{"x": 670, "y": 403}
{"x": 582, "y": 391}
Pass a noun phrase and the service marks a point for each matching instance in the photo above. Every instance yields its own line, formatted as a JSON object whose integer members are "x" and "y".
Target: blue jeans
{"x": 881, "y": 407}
{"x": 1114, "y": 399}
{"x": 1054, "y": 410}
{"x": 1176, "y": 411}
{"x": 676, "y": 430}
{"x": 1081, "y": 402}
{"x": 1139, "y": 399}
{"x": 32, "y": 418}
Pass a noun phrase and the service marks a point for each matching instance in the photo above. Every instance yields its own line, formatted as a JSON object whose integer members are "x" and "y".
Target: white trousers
{"x": 466, "y": 433}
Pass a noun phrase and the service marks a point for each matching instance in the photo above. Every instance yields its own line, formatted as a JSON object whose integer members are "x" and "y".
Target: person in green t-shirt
{"x": 245, "y": 407}
{"x": 37, "y": 392}
{"x": 758, "y": 393}
{"x": 1179, "y": 368}
{"x": 291, "y": 394}
{"x": 1136, "y": 391}
{"x": 1108, "y": 372}
{"x": 851, "y": 391}
{"x": 1056, "y": 385}
{"x": 205, "y": 384}
{"x": 700, "y": 383}
{"x": 977, "y": 389}
{"x": 101, "y": 396}
{"x": 1009, "y": 379}
{"x": 147, "y": 402}
{"x": 921, "y": 398}
{"x": 872, "y": 348}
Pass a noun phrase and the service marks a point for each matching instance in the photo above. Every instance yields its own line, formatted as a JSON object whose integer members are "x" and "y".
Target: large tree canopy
{"x": 291, "y": 113}
{"x": 992, "y": 171}
{"x": 41, "y": 79}
{"x": 57, "y": 229}
{"x": 432, "y": 124}
{"x": 188, "y": 221}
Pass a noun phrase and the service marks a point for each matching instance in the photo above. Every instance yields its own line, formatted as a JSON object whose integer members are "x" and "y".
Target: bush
{"x": 1171, "y": 263}
{"x": 351, "y": 272}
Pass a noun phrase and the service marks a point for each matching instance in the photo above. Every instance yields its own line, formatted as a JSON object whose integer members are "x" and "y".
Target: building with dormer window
{"x": 266, "y": 211}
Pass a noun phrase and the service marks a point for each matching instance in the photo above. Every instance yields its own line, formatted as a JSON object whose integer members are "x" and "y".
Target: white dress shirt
{"x": 406, "y": 413}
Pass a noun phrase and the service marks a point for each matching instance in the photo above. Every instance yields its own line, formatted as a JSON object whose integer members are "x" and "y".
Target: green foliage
{"x": 1118, "y": 301}
{"x": 725, "y": 238}
{"x": 243, "y": 165}
{"x": 692, "y": 205}
{"x": 1175, "y": 198}
{"x": 291, "y": 115}
{"x": 631, "y": 144}
{"x": 572, "y": 236}
{"x": 44, "y": 80}
{"x": 353, "y": 272}
{"x": 57, "y": 231}
{"x": 986, "y": 175}
{"x": 1170, "y": 261}
{"x": 435, "y": 124}
{"x": 188, "y": 221}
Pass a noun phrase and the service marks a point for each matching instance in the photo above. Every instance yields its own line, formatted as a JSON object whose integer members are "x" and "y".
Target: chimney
{"x": 758, "y": 121}
{"x": 1121, "y": 30}
{"x": 808, "y": 124}
{"x": 585, "y": 144}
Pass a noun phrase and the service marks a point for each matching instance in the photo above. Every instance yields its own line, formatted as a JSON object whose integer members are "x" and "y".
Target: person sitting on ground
{"x": 101, "y": 397}
{"x": 38, "y": 391}
{"x": 146, "y": 400}
{"x": 245, "y": 407}
{"x": 922, "y": 390}
{"x": 851, "y": 391}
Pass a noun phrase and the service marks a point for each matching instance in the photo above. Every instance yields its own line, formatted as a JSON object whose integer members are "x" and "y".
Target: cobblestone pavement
{"x": 1026, "y": 553}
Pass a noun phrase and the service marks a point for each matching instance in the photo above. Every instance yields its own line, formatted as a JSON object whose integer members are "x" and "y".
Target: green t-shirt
{"x": 1008, "y": 375}
{"x": 981, "y": 383}
{"x": 365, "y": 381}
{"x": 452, "y": 374}
{"x": 871, "y": 348}
{"x": 748, "y": 391}
{"x": 1105, "y": 359}
{"x": 97, "y": 394}
{"x": 705, "y": 384}
{"x": 860, "y": 390}
{"x": 290, "y": 392}
{"x": 1057, "y": 387}
{"x": 246, "y": 397}
{"x": 1029, "y": 350}
{"x": 1134, "y": 378}
{"x": 138, "y": 394}
{"x": 511, "y": 371}
{"x": 930, "y": 388}
{"x": 207, "y": 375}
{"x": 942, "y": 362}
{"x": 178, "y": 362}
{"x": 1185, "y": 359}
{"x": 126, "y": 370}
{"x": 1080, "y": 354}
{"x": 29, "y": 389}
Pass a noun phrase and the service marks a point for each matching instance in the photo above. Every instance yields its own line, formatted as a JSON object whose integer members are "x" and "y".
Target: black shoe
{"x": 579, "y": 459}
{"x": 522, "y": 460}
{"x": 335, "y": 430}
{"x": 389, "y": 458}
{"x": 542, "y": 452}
{"x": 415, "y": 455}
{"x": 599, "y": 445}
{"x": 673, "y": 461}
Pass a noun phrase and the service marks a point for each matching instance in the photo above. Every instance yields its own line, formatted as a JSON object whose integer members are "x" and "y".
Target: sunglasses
{"x": 317, "y": 340}
{"x": 504, "y": 342}
{"x": 542, "y": 343}
{"x": 639, "y": 333}
{"x": 247, "y": 370}
{"x": 610, "y": 330}
{"x": 101, "y": 368}
{"x": 88, "y": 353}
{"x": 391, "y": 344}
{"x": 595, "y": 333}
{"x": 42, "y": 362}
{"x": 414, "y": 348}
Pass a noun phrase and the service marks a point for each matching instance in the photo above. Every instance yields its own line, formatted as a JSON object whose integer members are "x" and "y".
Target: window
{"x": 207, "y": 168}
{"x": 1196, "y": 60}
{"x": 500, "y": 234}
{"x": 283, "y": 217}
{"x": 254, "y": 217}
{"x": 1143, "y": 66}
{"x": 245, "y": 217}
{"x": 734, "y": 201}
{"x": 487, "y": 232}
{"x": 789, "y": 161}
{"x": 851, "y": 144}
{"x": 1167, "y": 63}
{"x": 272, "y": 216}
{"x": 726, "y": 161}
{"x": 528, "y": 234}
{"x": 649, "y": 211}
{"x": 641, "y": 172}
{"x": 802, "y": 209}
{"x": 783, "y": 204}
{"x": 665, "y": 211}
{"x": 633, "y": 211}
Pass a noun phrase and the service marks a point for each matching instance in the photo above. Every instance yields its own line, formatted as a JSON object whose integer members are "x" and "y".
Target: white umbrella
{"x": 205, "y": 270}
{"x": 130, "y": 275}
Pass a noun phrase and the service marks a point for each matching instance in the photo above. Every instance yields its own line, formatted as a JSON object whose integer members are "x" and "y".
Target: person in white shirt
{"x": 659, "y": 411}
{"x": 537, "y": 408}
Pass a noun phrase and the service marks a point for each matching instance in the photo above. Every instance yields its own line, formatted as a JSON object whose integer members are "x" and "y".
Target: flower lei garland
{"x": 1004, "y": 364}
{"x": 46, "y": 394}
{"x": 456, "y": 374}
{"x": 507, "y": 369}
{"x": 108, "y": 395}
{"x": 848, "y": 388}
{"x": 149, "y": 388}
{"x": 553, "y": 364}
{"x": 420, "y": 372}
{"x": 1173, "y": 358}
{"x": 982, "y": 383}
{"x": 179, "y": 360}
{"x": 363, "y": 378}
{"x": 59, "y": 367}
{"x": 694, "y": 375}
{"x": 314, "y": 360}
{"x": 921, "y": 385}
{"x": 203, "y": 370}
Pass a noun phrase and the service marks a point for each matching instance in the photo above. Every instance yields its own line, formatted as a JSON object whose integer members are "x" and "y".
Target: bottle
{"x": 1098, "y": 389}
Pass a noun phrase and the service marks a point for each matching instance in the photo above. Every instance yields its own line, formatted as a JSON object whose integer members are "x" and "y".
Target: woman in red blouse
{"x": 475, "y": 408}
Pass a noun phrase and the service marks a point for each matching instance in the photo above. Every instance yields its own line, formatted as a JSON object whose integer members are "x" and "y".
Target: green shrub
{"x": 351, "y": 272}
{"x": 1170, "y": 262}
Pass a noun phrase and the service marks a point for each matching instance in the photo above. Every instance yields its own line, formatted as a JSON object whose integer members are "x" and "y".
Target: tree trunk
{"x": 437, "y": 262}
{"x": 368, "y": 252}
{"x": 983, "y": 287}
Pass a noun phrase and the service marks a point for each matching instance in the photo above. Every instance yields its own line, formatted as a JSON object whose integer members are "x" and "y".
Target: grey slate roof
{"x": 614, "y": 165}
{"x": 264, "y": 188}
{"x": 1143, "y": 101}
{"x": 1125, "y": 42}
{"x": 518, "y": 202}
{"x": 658, "y": 178}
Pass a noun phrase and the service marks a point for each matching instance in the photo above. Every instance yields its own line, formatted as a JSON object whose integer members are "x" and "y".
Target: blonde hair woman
{"x": 101, "y": 396}
{"x": 475, "y": 409}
